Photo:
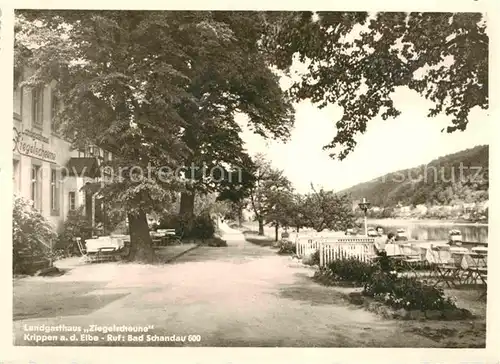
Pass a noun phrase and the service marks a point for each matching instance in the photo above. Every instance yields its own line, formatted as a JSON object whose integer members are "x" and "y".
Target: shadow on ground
{"x": 45, "y": 299}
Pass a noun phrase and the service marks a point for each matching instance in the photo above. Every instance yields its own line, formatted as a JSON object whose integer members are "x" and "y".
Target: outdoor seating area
{"x": 438, "y": 264}
{"x": 114, "y": 247}
{"x": 163, "y": 237}
{"x": 104, "y": 248}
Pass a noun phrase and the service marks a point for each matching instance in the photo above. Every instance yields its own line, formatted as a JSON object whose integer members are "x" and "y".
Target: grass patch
{"x": 260, "y": 240}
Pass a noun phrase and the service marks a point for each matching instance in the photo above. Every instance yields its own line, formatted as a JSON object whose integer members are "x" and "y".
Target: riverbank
{"x": 428, "y": 222}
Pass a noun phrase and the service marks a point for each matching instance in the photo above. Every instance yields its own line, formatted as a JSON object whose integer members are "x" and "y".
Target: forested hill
{"x": 453, "y": 179}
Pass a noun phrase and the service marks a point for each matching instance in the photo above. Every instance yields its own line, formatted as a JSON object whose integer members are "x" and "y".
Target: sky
{"x": 410, "y": 140}
{"x": 389, "y": 145}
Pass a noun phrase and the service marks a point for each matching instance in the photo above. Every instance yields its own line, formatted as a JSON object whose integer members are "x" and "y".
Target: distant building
{"x": 405, "y": 209}
{"x": 468, "y": 207}
{"x": 421, "y": 209}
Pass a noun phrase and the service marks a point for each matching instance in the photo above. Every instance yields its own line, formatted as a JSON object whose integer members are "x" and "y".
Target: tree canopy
{"x": 356, "y": 60}
{"x": 267, "y": 192}
{"x": 158, "y": 89}
{"x": 274, "y": 202}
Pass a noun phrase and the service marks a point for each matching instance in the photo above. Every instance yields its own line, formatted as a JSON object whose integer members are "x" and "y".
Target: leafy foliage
{"x": 407, "y": 293}
{"x": 32, "y": 235}
{"x": 381, "y": 282}
{"x": 189, "y": 226}
{"x": 323, "y": 209}
{"x": 157, "y": 89}
{"x": 267, "y": 194}
{"x": 286, "y": 247}
{"x": 356, "y": 60}
{"x": 349, "y": 270}
{"x": 76, "y": 225}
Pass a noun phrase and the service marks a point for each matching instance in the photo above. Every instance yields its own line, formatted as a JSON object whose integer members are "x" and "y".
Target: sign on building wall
{"x": 33, "y": 145}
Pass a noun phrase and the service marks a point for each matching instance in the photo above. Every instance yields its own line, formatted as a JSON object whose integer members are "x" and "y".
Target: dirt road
{"x": 242, "y": 295}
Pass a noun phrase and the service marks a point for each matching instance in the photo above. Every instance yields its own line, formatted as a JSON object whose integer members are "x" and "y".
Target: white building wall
{"x": 58, "y": 146}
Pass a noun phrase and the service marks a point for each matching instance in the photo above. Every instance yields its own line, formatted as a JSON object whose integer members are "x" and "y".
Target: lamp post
{"x": 365, "y": 205}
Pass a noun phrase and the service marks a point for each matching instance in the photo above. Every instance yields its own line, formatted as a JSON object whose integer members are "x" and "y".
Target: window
{"x": 15, "y": 175}
{"x": 18, "y": 94}
{"x": 35, "y": 186}
{"x": 106, "y": 156}
{"x": 37, "y": 107}
{"x": 54, "y": 192}
{"x": 54, "y": 107}
{"x": 72, "y": 201}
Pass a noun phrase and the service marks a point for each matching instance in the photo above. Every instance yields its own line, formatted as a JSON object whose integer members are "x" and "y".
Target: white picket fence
{"x": 362, "y": 250}
{"x": 330, "y": 249}
{"x": 304, "y": 244}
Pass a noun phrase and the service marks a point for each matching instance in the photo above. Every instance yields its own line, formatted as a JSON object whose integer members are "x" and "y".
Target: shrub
{"x": 169, "y": 221}
{"x": 315, "y": 258}
{"x": 75, "y": 226}
{"x": 311, "y": 259}
{"x": 217, "y": 242}
{"x": 352, "y": 270}
{"x": 32, "y": 235}
{"x": 380, "y": 281}
{"x": 286, "y": 247}
{"x": 407, "y": 293}
{"x": 189, "y": 227}
{"x": 203, "y": 227}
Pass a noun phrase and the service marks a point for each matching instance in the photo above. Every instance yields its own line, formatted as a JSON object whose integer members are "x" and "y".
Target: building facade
{"x": 46, "y": 169}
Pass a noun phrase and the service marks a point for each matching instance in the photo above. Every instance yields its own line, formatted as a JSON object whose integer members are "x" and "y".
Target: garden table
{"x": 95, "y": 245}
{"x": 104, "y": 248}
{"x": 480, "y": 250}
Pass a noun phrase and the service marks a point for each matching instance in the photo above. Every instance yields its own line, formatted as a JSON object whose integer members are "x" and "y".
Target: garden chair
{"x": 83, "y": 251}
{"x": 444, "y": 267}
{"x": 412, "y": 259}
{"x": 475, "y": 264}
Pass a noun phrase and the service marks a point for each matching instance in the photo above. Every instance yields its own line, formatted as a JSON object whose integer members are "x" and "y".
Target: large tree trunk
{"x": 141, "y": 248}
{"x": 276, "y": 228}
{"x": 261, "y": 226}
{"x": 187, "y": 203}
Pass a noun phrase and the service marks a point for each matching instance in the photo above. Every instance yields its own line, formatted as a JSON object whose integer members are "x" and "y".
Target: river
{"x": 416, "y": 229}
{"x": 433, "y": 230}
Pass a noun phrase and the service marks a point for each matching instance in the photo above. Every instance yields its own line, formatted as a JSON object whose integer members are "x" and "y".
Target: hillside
{"x": 454, "y": 179}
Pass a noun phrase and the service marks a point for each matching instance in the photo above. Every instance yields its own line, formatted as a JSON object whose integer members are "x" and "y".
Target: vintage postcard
{"x": 250, "y": 179}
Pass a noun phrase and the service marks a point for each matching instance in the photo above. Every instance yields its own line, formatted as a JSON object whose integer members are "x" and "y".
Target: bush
{"x": 32, "y": 235}
{"x": 381, "y": 282}
{"x": 189, "y": 227}
{"x": 315, "y": 258}
{"x": 75, "y": 226}
{"x": 407, "y": 293}
{"x": 203, "y": 227}
{"x": 216, "y": 242}
{"x": 352, "y": 270}
{"x": 311, "y": 259}
{"x": 286, "y": 247}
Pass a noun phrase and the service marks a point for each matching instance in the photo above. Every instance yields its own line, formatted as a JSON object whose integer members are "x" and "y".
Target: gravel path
{"x": 242, "y": 295}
